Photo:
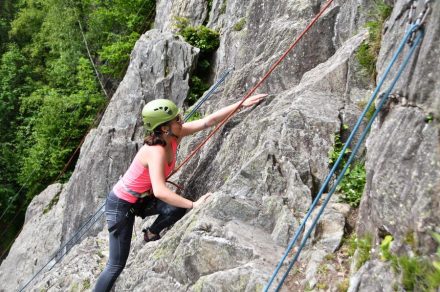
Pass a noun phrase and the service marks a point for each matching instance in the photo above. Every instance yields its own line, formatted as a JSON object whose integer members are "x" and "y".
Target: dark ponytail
{"x": 155, "y": 138}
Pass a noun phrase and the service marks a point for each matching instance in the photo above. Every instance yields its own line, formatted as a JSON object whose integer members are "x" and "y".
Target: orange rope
{"x": 253, "y": 89}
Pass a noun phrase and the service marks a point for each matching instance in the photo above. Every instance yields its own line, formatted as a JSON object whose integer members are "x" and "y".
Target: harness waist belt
{"x": 133, "y": 193}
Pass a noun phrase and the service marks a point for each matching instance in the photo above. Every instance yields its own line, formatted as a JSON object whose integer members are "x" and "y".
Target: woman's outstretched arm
{"x": 216, "y": 117}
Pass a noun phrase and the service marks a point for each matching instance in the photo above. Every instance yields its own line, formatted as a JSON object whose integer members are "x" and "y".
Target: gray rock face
{"x": 403, "y": 147}
{"x": 264, "y": 166}
{"x": 196, "y": 11}
{"x": 375, "y": 276}
{"x": 272, "y": 174}
{"x": 401, "y": 197}
{"x": 38, "y": 240}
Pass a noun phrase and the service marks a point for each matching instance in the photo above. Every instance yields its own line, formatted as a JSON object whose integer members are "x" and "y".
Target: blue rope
{"x": 414, "y": 28}
{"x": 208, "y": 94}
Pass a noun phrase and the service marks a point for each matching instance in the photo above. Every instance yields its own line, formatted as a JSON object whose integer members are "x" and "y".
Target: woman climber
{"x": 145, "y": 180}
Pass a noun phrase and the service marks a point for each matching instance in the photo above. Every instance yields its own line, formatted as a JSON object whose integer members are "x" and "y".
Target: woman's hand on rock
{"x": 254, "y": 99}
{"x": 201, "y": 200}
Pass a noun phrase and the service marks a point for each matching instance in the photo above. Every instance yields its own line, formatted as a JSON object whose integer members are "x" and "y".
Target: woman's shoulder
{"x": 147, "y": 149}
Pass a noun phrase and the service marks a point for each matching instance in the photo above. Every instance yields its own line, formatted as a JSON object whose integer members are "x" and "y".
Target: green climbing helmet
{"x": 157, "y": 112}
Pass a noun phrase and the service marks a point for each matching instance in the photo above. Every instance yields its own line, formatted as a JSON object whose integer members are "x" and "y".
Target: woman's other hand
{"x": 254, "y": 99}
{"x": 201, "y": 200}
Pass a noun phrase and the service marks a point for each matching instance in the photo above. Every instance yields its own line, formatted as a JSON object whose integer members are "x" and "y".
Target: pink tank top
{"x": 137, "y": 178}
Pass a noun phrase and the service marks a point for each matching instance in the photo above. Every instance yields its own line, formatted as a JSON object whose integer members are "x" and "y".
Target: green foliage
{"x": 58, "y": 126}
{"x": 322, "y": 269}
{"x": 49, "y": 94}
{"x": 367, "y": 59}
{"x": 434, "y": 277}
{"x": 206, "y": 39}
{"x": 352, "y": 185}
{"x": 196, "y": 116}
{"x": 52, "y": 203}
{"x": 28, "y": 21}
{"x": 240, "y": 24}
{"x": 369, "y": 50}
{"x": 13, "y": 73}
{"x": 417, "y": 273}
{"x": 223, "y": 7}
{"x": 86, "y": 284}
{"x": 429, "y": 118}
{"x": 7, "y": 12}
{"x": 369, "y": 114}
{"x": 363, "y": 248}
{"x": 209, "y": 8}
{"x": 197, "y": 88}
{"x": 13, "y": 85}
{"x": 336, "y": 150}
{"x": 343, "y": 285}
{"x": 114, "y": 28}
{"x": 115, "y": 56}
{"x": 385, "y": 248}
{"x": 321, "y": 286}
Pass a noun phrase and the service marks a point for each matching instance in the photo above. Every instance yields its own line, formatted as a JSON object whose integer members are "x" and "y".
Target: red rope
{"x": 253, "y": 89}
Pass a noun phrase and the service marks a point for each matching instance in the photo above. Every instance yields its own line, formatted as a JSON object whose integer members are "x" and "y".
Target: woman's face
{"x": 176, "y": 125}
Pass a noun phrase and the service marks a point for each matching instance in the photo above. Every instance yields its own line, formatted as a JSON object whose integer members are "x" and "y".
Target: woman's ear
{"x": 165, "y": 129}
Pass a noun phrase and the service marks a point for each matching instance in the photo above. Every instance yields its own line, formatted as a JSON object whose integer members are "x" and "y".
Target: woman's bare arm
{"x": 216, "y": 117}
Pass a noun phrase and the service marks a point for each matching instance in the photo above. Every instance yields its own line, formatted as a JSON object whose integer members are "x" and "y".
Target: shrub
{"x": 197, "y": 88}
{"x": 353, "y": 183}
{"x": 335, "y": 151}
{"x": 206, "y": 39}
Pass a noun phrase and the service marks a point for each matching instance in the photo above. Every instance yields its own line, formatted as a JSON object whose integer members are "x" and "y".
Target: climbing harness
{"x": 65, "y": 248}
{"x": 416, "y": 30}
{"x": 100, "y": 211}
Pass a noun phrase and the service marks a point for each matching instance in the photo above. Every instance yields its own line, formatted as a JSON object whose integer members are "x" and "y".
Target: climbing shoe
{"x": 148, "y": 237}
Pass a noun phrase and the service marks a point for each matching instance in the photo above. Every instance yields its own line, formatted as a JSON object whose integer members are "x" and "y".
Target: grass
{"x": 343, "y": 286}
{"x": 369, "y": 50}
{"x": 362, "y": 104}
{"x": 323, "y": 269}
{"x": 52, "y": 203}
{"x": 240, "y": 24}
{"x": 363, "y": 248}
{"x": 416, "y": 273}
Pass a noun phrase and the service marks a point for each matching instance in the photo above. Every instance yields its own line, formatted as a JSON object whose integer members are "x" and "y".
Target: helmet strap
{"x": 171, "y": 134}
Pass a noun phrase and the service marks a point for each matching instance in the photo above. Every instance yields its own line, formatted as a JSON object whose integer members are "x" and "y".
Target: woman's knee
{"x": 172, "y": 211}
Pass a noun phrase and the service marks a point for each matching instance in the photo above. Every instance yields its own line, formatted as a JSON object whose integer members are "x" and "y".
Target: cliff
{"x": 265, "y": 166}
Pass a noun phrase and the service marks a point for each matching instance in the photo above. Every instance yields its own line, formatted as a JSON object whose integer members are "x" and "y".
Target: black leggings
{"x": 115, "y": 211}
